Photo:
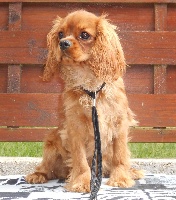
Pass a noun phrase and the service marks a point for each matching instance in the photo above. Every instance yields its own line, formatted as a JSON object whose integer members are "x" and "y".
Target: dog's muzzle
{"x": 65, "y": 44}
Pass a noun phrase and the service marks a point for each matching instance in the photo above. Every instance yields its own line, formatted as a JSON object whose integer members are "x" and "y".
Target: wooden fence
{"x": 29, "y": 107}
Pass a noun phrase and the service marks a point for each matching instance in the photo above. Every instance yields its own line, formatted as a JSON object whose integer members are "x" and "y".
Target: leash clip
{"x": 94, "y": 99}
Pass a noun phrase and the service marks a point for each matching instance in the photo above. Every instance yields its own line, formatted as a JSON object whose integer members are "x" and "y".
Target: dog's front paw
{"x": 121, "y": 182}
{"x": 136, "y": 174}
{"x": 36, "y": 177}
{"x": 120, "y": 177}
{"x": 80, "y": 184}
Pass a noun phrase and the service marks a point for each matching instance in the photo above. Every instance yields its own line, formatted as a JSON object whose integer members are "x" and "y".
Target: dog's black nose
{"x": 65, "y": 44}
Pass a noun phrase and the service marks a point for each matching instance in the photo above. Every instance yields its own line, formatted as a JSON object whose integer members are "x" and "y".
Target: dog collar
{"x": 93, "y": 94}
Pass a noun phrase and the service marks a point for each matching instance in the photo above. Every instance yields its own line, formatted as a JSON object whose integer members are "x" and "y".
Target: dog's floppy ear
{"x": 107, "y": 60}
{"x": 53, "y": 57}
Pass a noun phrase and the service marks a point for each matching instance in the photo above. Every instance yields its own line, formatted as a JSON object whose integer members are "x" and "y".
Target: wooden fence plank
{"x": 31, "y": 81}
{"x": 15, "y": 11}
{"x": 171, "y": 79}
{"x": 14, "y": 71}
{"x": 160, "y": 71}
{"x": 14, "y": 78}
{"x": 38, "y": 134}
{"x": 127, "y": 17}
{"x": 144, "y": 40}
{"x": 95, "y": 1}
{"x": 149, "y": 47}
{"x": 3, "y": 78}
{"x": 30, "y": 110}
{"x": 23, "y": 56}
{"x": 153, "y": 135}
{"x": 160, "y": 75}
{"x": 23, "y": 134}
{"x": 171, "y": 16}
{"x": 23, "y": 39}
{"x": 154, "y": 110}
{"x": 43, "y": 109}
{"x": 4, "y": 16}
{"x": 160, "y": 17}
{"x": 139, "y": 79}
{"x": 139, "y": 47}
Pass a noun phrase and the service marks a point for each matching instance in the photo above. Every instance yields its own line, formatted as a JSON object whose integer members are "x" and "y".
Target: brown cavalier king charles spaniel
{"x": 86, "y": 51}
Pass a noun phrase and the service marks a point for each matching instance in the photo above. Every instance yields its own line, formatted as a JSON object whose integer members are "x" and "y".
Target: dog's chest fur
{"x": 111, "y": 105}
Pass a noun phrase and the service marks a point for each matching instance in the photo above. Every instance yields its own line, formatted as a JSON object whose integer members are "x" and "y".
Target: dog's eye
{"x": 84, "y": 36}
{"x": 60, "y": 35}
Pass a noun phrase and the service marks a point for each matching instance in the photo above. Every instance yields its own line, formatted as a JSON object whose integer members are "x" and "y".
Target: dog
{"x": 85, "y": 49}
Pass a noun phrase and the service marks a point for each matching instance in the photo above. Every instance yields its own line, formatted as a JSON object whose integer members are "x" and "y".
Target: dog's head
{"x": 83, "y": 37}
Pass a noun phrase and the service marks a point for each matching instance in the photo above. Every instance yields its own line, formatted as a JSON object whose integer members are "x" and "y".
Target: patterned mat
{"x": 152, "y": 187}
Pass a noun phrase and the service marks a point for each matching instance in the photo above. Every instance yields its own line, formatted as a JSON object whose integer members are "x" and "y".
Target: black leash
{"x": 96, "y": 172}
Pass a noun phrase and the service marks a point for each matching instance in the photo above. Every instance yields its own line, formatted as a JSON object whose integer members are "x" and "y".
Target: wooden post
{"x": 14, "y": 71}
{"x": 160, "y": 70}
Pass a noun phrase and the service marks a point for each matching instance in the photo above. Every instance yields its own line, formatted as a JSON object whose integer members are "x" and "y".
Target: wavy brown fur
{"x": 87, "y": 63}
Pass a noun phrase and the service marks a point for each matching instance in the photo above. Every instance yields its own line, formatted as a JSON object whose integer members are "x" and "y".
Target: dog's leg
{"x": 120, "y": 172}
{"x": 79, "y": 178}
{"x": 52, "y": 165}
